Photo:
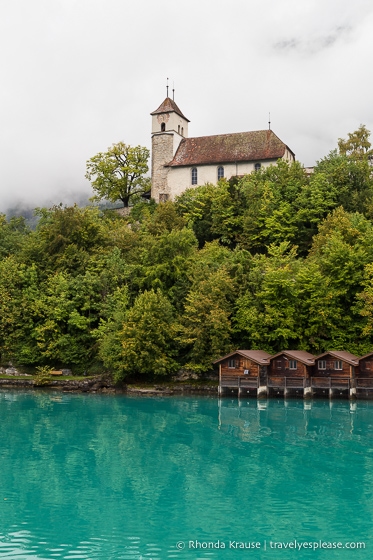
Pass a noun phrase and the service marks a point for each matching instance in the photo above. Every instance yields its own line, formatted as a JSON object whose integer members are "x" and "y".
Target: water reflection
{"x": 335, "y": 419}
{"x": 90, "y": 476}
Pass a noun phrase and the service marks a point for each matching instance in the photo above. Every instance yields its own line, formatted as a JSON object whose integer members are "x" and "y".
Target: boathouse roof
{"x": 259, "y": 356}
{"x": 370, "y": 355}
{"x": 300, "y": 355}
{"x": 341, "y": 355}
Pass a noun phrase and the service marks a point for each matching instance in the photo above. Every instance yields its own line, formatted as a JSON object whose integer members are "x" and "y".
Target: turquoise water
{"x": 115, "y": 477}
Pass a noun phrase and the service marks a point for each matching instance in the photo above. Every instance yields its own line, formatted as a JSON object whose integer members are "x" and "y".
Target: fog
{"x": 80, "y": 75}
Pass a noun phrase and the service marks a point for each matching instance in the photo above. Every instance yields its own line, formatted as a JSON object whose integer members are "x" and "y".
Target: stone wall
{"x": 162, "y": 153}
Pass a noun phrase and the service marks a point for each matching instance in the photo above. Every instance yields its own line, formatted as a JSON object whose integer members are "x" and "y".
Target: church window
{"x": 182, "y": 131}
{"x": 163, "y": 127}
{"x": 220, "y": 172}
{"x": 194, "y": 176}
{"x": 258, "y": 166}
{"x": 178, "y": 128}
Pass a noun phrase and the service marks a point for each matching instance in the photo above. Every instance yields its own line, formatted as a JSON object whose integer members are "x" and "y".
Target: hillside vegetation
{"x": 275, "y": 260}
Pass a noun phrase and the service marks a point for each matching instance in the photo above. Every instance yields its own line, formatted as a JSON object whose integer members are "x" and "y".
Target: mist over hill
{"x": 26, "y": 209}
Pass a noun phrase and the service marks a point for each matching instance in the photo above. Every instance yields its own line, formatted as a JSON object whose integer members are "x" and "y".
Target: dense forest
{"x": 278, "y": 259}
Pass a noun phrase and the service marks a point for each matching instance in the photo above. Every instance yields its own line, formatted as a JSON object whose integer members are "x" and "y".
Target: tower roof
{"x": 226, "y": 148}
{"x": 169, "y": 106}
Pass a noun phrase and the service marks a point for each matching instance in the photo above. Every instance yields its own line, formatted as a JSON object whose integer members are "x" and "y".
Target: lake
{"x": 117, "y": 477}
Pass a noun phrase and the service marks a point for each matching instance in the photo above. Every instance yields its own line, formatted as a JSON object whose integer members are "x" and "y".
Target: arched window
{"x": 220, "y": 172}
{"x": 257, "y": 166}
{"x": 178, "y": 128}
{"x": 182, "y": 131}
{"x": 194, "y": 176}
{"x": 163, "y": 127}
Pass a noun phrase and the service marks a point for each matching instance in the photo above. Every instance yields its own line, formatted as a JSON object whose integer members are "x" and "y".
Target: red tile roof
{"x": 168, "y": 106}
{"x": 257, "y": 145}
{"x": 258, "y": 356}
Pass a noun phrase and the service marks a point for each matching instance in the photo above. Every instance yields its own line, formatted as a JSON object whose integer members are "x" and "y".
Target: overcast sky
{"x": 80, "y": 75}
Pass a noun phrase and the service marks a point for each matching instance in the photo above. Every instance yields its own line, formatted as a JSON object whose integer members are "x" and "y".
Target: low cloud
{"x": 75, "y": 79}
{"x": 313, "y": 45}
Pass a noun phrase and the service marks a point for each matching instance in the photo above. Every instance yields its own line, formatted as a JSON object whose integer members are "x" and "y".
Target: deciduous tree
{"x": 119, "y": 173}
{"x": 357, "y": 145}
{"x": 147, "y": 336}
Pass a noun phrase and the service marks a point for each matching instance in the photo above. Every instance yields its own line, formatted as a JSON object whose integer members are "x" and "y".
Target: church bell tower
{"x": 169, "y": 127}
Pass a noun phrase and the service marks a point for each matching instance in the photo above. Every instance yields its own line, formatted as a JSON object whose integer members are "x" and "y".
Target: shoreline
{"x": 103, "y": 384}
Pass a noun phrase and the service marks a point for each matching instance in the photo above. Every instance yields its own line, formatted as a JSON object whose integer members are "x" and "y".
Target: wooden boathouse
{"x": 295, "y": 373}
{"x": 290, "y": 372}
{"x": 335, "y": 374}
{"x": 364, "y": 376}
{"x": 243, "y": 372}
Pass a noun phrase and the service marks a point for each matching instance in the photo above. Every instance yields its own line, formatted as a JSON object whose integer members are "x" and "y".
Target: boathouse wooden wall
{"x": 364, "y": 373}
{"x": 279, "y": 367}
{"x": 330, "y": 371}
{"x": 365, "y": 367}
{"x": 242, "y": 364}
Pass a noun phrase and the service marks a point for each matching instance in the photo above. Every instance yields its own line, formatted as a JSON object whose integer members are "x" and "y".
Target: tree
{"x": 147, "y": 337}
{"x": 66, "y": 238}
{"x": 205, "y": 323}
{"x": 206, "y": 326}
{"x": 119, "y": 173}
{"x": 13, "y": 235}
{"x": 67, "y": 310}
{"x": 357, "y": 146}
{"x": 108, "y": 332}
{"x": 266, "y": 315}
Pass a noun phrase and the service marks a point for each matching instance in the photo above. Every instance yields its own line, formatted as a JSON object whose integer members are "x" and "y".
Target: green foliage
{"x": 108, "y": 333}
{"x": 66, "y": 238}
{"x": 276, "y": 259}
{"x": 13, "y": 234}
{"x": 293, "y": 303}
{"x": 357, "y": 145}
{"x": 18, "y": 290}
{"x": 364, "y": 306}
{"x": 119, "y": 173}
{"x": 344, "y": 181}
{"x": 213, "y": 212}
{"x": 148, "y": 336}
{"x": 267, "y": 313}
{"x": 43, "y": 376}
{"x": 67, "y": 311}
{"x": 206, "y": 325}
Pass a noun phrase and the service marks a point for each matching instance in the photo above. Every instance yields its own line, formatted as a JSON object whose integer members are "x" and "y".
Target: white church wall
{"x": 180, "y": 178}
{"x": 176, "y": 142}
{"x": 288, "y": 156}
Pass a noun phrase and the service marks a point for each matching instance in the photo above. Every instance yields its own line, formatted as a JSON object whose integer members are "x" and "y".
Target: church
{"x": 180, "y": 162}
